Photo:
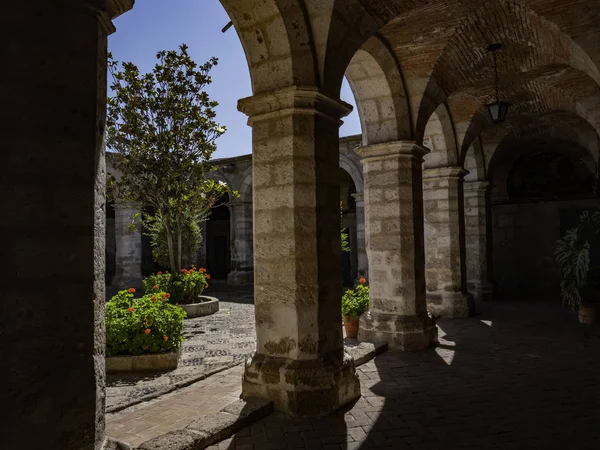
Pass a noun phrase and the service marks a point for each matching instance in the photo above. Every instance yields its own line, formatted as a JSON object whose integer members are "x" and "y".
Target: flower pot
{"x": 351, "y": 326}
{"x": 589, "y": 313}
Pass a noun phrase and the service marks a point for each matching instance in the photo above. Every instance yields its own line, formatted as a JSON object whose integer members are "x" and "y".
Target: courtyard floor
{"x": 212, "y": 344}
{"x": 520, "y": 376}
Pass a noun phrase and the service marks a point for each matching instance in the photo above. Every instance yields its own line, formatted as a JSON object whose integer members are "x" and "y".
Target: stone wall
{"x": 524, "y": 235}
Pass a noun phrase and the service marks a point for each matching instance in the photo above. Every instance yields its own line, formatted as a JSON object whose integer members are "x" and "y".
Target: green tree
{"x": 162, "y": 126}
{"x": 344, "y": 233}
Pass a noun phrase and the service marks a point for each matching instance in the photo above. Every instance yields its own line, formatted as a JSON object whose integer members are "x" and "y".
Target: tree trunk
{"x": 179, "y": 242}
{"x": 170, "y": 245}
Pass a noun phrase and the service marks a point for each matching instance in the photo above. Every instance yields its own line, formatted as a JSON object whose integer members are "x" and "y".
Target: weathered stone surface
{"x": 445, "y": 263}
{"x": 176, "y": 440}
{"x": 362, "y": 352}
{"x": 299, "y": 360}
{"x": 394, "y": 236}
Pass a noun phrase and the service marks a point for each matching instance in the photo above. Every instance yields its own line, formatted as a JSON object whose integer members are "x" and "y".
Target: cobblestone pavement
{"x": 212, "y": 343}
{"x": 521, "y": 376}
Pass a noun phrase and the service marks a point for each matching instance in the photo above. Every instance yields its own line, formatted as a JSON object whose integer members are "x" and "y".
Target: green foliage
{"x": 355, "y": 302}
{"x": 162, "y": 126}
{"x": 345, "y": 241}
{"x": 572, "y": 254}
{"x": 146, "y": 325}
{"x": 191, "y": 240}
{"x": 184, "y": 287}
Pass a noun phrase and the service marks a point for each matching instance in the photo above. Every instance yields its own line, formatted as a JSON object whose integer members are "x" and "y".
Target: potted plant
{"x": 142, "y": 334}
{"x": 578, "y": 267}
{"x": 355, "y": 302}
{"x": 185, "y": 290}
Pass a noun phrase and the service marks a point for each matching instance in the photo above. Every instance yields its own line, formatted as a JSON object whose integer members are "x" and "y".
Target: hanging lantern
{"x": 498, "y": 109}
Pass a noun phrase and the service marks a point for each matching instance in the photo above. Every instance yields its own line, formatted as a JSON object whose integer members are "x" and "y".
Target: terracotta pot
{"x": 589, "y": 314}
{"x": 351, "y": 326}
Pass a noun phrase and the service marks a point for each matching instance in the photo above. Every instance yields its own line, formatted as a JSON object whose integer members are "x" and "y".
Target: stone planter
{"x": 153, "y": 362}
{"x": 205, "y": 307}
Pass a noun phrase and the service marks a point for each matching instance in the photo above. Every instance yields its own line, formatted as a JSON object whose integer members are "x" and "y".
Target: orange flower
{"x": 166, "y": 271}
{"x": 207, "y": 276}
{"x": 202, "y": 270}
{"x": 155, "y": 286}
{"x": 164, "y": 295}
{"x": 160, "y": 273}
{"x": 131, "y": 290}
{"x": 206, "y": 285}
{"x": 362, "y": 281}
{"x": 154, "y": 298}
{"x": 182, "y": 270}
{"x": 147, "y": 331}
{"x": 167, "y": 295}
{"x": 166, "y": 338}
{"x": 130, "y": 309}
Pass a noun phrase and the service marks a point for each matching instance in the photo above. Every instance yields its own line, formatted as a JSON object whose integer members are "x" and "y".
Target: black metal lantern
{"x": 498, "y": 109}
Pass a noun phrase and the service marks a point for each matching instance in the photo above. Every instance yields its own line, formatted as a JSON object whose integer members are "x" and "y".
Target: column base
{"x": 311, "y": 388}
{"x": 240, "y": 278}
{"x": 451, "y": 304}
{"x": 406, "y": 333}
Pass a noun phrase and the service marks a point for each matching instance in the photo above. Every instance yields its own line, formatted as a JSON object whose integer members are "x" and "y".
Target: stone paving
{"x": 521, "y": 376}
{"x": 212, "y": 343}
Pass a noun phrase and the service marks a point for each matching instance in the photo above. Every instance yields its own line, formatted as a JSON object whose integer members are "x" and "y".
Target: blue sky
{"x": 155, "y": 25}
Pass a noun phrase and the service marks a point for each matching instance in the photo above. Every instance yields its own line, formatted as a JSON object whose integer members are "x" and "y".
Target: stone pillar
{"x": 128, "y": 239}
{"x": 242, "y": 264}
{"x": 447, "y": 294}
{"x": 53, "y": 182}
{"x": 300, "y": 362}
{"x": 363, "y": 265}
{"x": 394, "y": 242}
{"x": 476, "y": 232}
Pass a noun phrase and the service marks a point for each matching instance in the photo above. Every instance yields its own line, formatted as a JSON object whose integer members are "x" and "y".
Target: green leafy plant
{"x": 355, "y": 302}
{"x": 573, "y": 257}
{"x": 184, "y": 287}
{"x": 145, "y": 325}
{"x": 345, "y": 241}
{"x": 162, "y": 127}
{"x": 191, "y": 240}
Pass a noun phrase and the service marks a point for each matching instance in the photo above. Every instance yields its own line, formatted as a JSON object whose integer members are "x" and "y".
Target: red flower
{"x": 131, "y": 290}
{"x": 206, "y": 285}
{"x": 160, "y": 273}
{"x": 166, "y": 338}
{"x": 207, "y": 276}
{"x": 130, "y": 309}
{"x": 147, "y": 331}
{"x": 202, "y": 270}
{"x": 155, "y": 286}
{"x": 362, "y": 281}
{"x": 154, "y": 298}
{"x": 167, "y": 295}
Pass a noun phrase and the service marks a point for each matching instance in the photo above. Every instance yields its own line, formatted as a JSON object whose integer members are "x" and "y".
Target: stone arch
{"x": 245, "y": 189}
{"x": 278, "y": 42}
{"x": 440, "y": 138}
{"x": 217, "y": 175}
{"x": 353, "y": 170}
{"x": 474, "y": 162}
{"x": 378, "y": 87}
{"x": 465, "y": 64}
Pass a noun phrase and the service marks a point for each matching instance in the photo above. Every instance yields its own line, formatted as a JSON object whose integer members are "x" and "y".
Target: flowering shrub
{"x": 355, "y": 302}
{"x": 184, "y": 287}
{"x": 145, "y": 325}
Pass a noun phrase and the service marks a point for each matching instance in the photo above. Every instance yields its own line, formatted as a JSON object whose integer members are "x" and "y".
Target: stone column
{"x": 53, "y": 226}
{"x": 447, "y": 294}
{"x": 476, "y": 232}
{"x": 299, "y": 363}
{"x": 363, "y": 265}
{"x": 242, "y": 264}
{"x": 394, "y": 242}
{"x": 128, "y": 237}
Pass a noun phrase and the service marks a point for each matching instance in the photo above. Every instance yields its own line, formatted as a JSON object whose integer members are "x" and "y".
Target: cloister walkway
{"x": 520, "y": 376}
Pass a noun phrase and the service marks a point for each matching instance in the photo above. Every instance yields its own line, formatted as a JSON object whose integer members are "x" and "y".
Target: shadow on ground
{"x": 520, "y": 376}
